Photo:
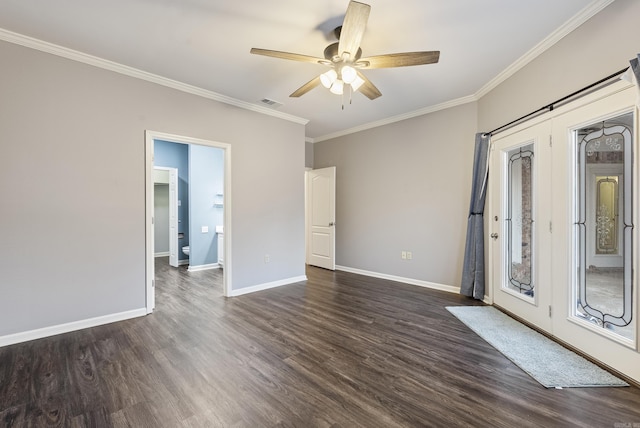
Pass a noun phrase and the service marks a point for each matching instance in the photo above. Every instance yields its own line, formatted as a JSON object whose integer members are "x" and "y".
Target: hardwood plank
{"x": 337, "y": 350}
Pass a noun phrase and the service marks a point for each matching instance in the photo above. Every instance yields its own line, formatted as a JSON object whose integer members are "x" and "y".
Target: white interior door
{"x": 321, "y": 195}
{"x": 519, "y": 224}
{"x": 173, "y": 217}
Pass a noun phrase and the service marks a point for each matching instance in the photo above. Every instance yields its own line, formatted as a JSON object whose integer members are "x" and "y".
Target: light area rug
{"x": 548, "y": 362}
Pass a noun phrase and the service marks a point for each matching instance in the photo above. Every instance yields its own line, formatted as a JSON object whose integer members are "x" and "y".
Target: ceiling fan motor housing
{"x": 332, "y": 54}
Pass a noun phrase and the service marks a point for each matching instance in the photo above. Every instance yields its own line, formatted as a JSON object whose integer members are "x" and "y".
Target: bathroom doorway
{"x": 216, "y": 204}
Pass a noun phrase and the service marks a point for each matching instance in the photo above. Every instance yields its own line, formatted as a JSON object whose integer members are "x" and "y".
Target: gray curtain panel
{"x": 635, "y": 66}
{"x": 473, "y": 268}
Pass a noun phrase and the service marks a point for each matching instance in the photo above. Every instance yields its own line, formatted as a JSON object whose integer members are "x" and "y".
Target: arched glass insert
{"x": 604, "y": 225}
{"x": 519, "y": 220}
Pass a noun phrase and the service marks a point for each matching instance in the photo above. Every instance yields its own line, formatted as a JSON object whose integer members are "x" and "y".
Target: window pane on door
{"x": 519, "y": 220}
{"x": 604, "y": 224}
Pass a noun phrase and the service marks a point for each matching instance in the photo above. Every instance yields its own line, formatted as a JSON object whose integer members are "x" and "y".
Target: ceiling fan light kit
{"x": 337, "y": 87}
{"x": 344, "y": 58}
{"x": 328, "y": 78}
{"x": 357, "y": 82}
{"x": 348, "y": 74}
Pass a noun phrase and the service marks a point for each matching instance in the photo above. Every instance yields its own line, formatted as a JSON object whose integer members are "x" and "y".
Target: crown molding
{"x": 397, "y": 118}
{"x": 30, "y": 42}
{"x": 574, "y": 22}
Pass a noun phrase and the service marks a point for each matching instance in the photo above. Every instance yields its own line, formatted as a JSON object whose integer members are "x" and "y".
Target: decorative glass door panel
{"x": 519, "y": 220}
{"x": 603, "y": 238}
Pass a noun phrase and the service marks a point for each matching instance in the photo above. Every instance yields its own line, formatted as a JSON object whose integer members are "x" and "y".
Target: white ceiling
{"x": 206, "y": 43}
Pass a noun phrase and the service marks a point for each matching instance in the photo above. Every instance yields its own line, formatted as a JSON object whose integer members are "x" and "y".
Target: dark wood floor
{"x": 340, "y": 350}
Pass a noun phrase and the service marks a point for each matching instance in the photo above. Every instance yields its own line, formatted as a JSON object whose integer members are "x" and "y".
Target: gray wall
{"x": 404, "y": 186}
{"x": 72, "y": 185}
{"x": 308, "y": 158}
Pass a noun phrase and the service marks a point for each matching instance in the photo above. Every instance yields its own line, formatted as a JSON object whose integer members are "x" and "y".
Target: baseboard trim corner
{"x": 267, "y": 285}
{"x": 410, "y": 281}
{"x": 54, "y": 330}
{"x": 203, "y": 267}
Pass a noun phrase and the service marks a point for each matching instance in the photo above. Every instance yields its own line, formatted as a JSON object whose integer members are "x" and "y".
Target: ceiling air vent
{"x": 270, "y": 103}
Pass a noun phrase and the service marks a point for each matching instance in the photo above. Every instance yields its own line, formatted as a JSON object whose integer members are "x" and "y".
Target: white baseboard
{"x": 411, "y": 281}
{"x": 203, "y": 267}
{"x": 267, "y": 285}
{"x": 26, "y": 336}
{"x": 163, "y": 254}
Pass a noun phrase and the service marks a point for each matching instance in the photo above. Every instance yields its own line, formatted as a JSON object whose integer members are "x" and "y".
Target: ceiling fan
{"x": 345, "y": 57}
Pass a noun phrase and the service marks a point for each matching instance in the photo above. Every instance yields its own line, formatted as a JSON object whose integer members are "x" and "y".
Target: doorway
{"x": 222, "y": 201}
{"x": 563, "y": 209}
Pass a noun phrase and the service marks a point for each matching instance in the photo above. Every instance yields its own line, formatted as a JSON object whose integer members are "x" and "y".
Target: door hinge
{"x": 549, "y": 311}
{"x": 153, "y": 219}
{"x": 550, "y": 227}
{"x": 153, "y": 283}
{"x": 550, "y": 140}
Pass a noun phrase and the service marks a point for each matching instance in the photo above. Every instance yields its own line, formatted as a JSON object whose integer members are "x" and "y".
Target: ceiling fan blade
{"x": 288, "y": 55}
{"x": 368, "y": 89}
{"x": 355, "y": 22}
{"x": 306, "y": 87}
{"x": 399, "y": 59}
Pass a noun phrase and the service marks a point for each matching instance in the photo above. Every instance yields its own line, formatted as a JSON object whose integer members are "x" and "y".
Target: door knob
{"x": 494, "y": 235}
{"x": 332, "y": 224}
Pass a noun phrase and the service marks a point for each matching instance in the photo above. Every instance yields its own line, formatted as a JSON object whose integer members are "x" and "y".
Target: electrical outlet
{"x": 267, "y": 259}
{"x": 409, "y": 255}
{"x": 205, "y": 229}
{"x": 403, "y": 255}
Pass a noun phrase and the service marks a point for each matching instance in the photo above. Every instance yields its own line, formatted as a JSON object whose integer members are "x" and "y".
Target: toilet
{"x": 185, "y": 250}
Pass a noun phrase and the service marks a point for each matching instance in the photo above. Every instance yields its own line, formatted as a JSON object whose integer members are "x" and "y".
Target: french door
{"x": 595, "y": 207}
{"x": 520, "y": 239}
{"x": 563, "y": 225}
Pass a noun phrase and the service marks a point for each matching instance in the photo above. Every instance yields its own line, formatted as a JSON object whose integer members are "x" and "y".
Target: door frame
{"x": 150, "y": 137}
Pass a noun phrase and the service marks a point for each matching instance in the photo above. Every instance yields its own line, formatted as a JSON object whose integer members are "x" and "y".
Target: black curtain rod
{"x": 550, "y": 107}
